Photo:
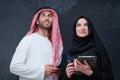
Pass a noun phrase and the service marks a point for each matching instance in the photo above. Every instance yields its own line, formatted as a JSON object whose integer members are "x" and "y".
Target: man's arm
{"x": 18, "y": 65}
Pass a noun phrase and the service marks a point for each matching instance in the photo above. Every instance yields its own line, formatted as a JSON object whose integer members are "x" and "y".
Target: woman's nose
{"x": 83, "y": 27}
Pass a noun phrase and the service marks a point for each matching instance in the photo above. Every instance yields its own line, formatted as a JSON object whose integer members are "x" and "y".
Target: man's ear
{"x": 37, "y": 22}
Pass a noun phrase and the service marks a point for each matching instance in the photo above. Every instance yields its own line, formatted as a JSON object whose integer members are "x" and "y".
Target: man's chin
{"x": 47, "y": 28}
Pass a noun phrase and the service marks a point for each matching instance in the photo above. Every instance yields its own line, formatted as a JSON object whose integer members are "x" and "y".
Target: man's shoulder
{"x": 27, "y": 38}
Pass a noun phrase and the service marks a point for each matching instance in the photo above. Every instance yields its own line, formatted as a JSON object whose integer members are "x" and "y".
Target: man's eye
{"x": 43, "y": 15}
{"x": 50, "y": 15}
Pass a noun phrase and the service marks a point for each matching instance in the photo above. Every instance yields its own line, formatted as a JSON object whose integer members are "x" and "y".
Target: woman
{"x": 86, "y": 42}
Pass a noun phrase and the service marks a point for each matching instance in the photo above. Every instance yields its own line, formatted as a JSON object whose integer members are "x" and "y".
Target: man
{"x": 39, "y": 53}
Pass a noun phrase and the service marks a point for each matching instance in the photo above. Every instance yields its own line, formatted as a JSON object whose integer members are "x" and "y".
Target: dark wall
{"x": 16, "y": 16}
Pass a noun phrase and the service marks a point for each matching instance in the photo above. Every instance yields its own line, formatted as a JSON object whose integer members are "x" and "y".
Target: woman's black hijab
{"x": 81, "y": 44}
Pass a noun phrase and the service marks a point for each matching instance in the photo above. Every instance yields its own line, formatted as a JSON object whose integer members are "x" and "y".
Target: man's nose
{"x": 46, "y": 17}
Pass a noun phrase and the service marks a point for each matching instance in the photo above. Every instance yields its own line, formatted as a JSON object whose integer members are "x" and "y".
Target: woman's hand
{"x": 83, "y": 68}
{"x": 70, "y": 70}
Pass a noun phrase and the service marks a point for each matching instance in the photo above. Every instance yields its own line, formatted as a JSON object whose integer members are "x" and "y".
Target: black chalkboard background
{"x": 16, "y": 16}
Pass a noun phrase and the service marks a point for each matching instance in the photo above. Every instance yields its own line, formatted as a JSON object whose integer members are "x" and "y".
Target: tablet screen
{"x": 91, "y": 60}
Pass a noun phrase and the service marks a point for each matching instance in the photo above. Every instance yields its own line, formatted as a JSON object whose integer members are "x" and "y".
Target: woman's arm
{"x": 103, "y": 70}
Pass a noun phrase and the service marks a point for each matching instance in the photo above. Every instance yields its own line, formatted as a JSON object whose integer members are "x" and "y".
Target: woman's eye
{"x": 78, "y": 24}
{"x": 85, "y": 24}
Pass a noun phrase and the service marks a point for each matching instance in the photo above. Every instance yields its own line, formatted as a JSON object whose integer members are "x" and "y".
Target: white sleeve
{"x": 19, "y": 67}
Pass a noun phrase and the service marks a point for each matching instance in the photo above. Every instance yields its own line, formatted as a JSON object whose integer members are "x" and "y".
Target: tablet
{"x": 91, "y": 60}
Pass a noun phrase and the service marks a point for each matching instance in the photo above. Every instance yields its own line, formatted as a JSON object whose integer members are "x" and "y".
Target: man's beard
{"x": 40, "y": 25}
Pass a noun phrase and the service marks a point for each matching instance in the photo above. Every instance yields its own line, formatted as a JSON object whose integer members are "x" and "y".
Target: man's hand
{"x": 50, "y": 69}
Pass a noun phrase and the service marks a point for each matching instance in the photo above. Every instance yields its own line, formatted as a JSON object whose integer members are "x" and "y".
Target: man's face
{"x": 82, "y": 28}
{"x": 45, "y": 20}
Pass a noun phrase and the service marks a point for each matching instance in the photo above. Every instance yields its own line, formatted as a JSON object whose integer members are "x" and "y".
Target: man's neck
{"x": 42, "y": 32}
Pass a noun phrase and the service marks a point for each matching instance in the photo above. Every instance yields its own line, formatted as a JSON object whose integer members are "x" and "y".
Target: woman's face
{"x": 82, "y": 28}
